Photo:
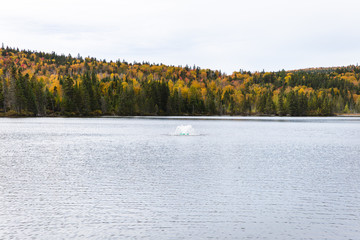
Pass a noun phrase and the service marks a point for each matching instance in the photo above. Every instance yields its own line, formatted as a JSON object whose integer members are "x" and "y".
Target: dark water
{"x": 250, "y": 178}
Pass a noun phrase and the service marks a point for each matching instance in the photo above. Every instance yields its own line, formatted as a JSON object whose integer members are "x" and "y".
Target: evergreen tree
{"x": 281, "y": 110}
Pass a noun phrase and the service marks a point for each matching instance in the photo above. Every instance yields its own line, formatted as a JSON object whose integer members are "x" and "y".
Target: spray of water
{"x": 184, "y": 130}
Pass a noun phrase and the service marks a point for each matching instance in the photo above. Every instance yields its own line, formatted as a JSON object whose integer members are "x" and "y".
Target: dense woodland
{"x": 47, "y": 84}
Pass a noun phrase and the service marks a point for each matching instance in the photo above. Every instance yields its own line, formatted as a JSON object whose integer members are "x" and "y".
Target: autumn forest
{"x": 47, "y": 84}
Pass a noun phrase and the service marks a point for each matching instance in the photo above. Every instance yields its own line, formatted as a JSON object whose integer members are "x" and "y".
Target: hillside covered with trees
{"x": 47, "y": 84}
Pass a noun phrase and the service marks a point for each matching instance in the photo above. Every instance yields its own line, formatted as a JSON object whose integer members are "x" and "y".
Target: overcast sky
{"x": 227, "y": 35}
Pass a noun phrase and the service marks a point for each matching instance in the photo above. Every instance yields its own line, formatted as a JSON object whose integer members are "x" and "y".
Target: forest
{"x": 47, "y": 84}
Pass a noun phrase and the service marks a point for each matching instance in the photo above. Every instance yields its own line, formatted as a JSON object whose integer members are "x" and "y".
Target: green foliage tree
{"x": 38, "y": 83}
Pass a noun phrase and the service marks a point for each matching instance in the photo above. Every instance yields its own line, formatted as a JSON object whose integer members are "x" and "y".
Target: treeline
{"x": 48, "y": 84}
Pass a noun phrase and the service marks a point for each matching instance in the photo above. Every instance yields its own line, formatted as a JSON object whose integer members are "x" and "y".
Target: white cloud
{"x": 225, "y": 35}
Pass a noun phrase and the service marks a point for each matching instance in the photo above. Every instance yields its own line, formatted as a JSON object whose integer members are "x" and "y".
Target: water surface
{"x": 114, "y": 178}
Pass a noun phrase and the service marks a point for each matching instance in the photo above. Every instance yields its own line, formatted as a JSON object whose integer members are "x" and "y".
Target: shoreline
{"x": 348, "y": 115}
{"x": 2, "y": 115}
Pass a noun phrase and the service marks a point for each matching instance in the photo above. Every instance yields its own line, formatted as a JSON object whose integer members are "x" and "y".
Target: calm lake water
{"x": 238, "y": 178}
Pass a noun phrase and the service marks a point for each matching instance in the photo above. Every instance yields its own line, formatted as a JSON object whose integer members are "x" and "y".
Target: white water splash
{"x": 185, "y": 130}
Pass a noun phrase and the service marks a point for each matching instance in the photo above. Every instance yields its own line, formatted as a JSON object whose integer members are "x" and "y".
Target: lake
{"x": 236, "y": 178}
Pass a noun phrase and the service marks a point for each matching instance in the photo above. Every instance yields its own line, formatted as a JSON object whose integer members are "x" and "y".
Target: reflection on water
{"x": 118, "y": 178}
